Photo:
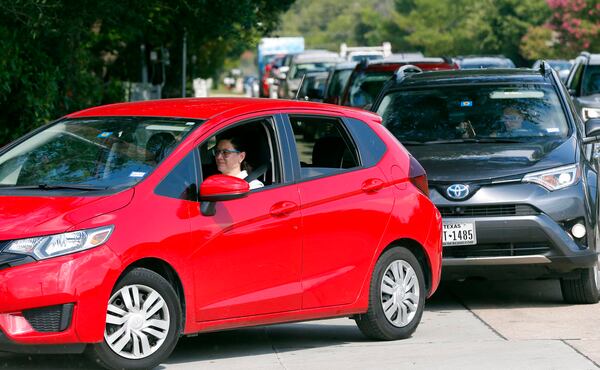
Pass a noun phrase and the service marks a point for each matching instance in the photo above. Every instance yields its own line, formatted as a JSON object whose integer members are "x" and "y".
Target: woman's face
{"x": 228, "y": 159}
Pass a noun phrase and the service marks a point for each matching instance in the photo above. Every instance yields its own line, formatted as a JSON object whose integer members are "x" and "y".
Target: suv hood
{"x": 590, "y": 101}
{"x": 481, "y": 162}
{"x": 28, "y": 216}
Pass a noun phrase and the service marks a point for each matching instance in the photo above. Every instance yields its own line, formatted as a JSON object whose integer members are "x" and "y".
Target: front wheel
{"x": 142, "y": 323}
{"x": 396, "y": 297}
{"x": 583, "y": 289}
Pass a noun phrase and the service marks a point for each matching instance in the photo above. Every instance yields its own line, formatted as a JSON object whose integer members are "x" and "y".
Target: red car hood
{"x": 27, "y": 216}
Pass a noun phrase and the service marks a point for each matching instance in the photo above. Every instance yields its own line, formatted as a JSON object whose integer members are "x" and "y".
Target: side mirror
{"x": 314, "y": 94}
{"x": 218, "y": 188}
{"x": 332, "y": 100}
{"x": 592, "y": 130}
{"x": 571, "y": 92}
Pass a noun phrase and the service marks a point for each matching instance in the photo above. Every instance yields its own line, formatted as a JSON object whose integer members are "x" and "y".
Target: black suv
{"x": 510, "y": 169}
{"x": 584, "y": 85}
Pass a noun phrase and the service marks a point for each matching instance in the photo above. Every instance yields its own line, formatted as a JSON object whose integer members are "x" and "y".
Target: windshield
{"x": 365, "y": 88}
{"x": 474, "y": 113}
{"x": 298, "y": 70}
{"x": 103, "y": 153}
{"x": 591, "y": 80}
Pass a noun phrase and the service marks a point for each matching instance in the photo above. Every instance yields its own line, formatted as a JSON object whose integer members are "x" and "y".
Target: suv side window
{"x": 575, "y": 83}
{"x": 181, "y": 182}
{"x": 258, "y": 140}
{"x": 323, "y": 146}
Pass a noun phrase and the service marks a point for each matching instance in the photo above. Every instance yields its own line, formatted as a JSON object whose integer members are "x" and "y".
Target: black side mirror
{"x": 314, "y": 94}
{"x": 592, "y": 130}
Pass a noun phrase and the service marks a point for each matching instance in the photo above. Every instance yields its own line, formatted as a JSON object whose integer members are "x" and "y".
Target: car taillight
{"x": 417, "y": 176}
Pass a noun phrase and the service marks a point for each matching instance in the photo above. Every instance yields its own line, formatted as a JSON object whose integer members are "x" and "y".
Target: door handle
{"x": 372, "y": 185}
{"x": 283, "y": 208}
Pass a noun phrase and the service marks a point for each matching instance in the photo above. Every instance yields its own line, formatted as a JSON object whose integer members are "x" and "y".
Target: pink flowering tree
{"x": 576, "y": 24}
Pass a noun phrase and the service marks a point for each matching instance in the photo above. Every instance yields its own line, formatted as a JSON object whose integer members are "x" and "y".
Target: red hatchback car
{"x": 128, "y": 225}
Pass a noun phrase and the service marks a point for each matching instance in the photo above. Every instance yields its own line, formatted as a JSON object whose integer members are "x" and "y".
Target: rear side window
{"x": 323, "y": 146}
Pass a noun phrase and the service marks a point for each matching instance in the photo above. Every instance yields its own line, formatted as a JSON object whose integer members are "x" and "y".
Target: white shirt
{"x": 254, "y": 184}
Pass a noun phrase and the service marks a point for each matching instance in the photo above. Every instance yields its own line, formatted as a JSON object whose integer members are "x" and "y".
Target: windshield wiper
{"x": 55, "y": 187}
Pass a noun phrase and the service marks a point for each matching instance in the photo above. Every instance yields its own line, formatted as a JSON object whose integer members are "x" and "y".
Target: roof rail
{"x": 406, "y": 70}
{"x": 585, "y": 54}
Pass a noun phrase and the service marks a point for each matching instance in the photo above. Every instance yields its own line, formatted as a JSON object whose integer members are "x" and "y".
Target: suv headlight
{"x": 60, "y": 244}
{"x": 556, "y": 178}
{"x": 588, "y": 113}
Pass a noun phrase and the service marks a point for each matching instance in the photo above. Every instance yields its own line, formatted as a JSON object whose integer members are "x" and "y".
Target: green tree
{"x": 325, "y": 24}
{"x": 452, "y": 27}
{"x": 63, "y": 55}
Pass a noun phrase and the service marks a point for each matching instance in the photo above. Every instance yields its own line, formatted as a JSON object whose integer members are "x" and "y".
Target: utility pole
{"x": 183, "y": 63}
{"x": 144, "y": 66}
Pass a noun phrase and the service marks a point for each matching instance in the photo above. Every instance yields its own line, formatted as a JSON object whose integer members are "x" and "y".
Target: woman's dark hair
{"x": 238, "y": 144}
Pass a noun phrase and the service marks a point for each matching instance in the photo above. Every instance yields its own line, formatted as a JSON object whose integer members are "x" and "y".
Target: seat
{"x": 159, "y": 146}
{"x": 328, "y": 152}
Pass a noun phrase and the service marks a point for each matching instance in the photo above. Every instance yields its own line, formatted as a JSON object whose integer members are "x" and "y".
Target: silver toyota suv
{"x": 510, "y": 168}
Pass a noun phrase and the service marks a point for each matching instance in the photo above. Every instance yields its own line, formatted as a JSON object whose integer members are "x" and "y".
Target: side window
{"x": 181, "y": 182}
{"x": 371, "y": 147}
{"x": 248, "y": 150}
{"x": 323, "y": 146}
{"x": 576, "y": 80}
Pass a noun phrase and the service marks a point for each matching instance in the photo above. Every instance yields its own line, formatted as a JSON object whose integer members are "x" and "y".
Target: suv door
{"x": 247, "y": 256}
{"x": 345, "y": 208}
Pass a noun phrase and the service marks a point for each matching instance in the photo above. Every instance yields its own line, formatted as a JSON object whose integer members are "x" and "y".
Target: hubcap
{"x": 137, "y": 322}
{"x": 400, "y": 293}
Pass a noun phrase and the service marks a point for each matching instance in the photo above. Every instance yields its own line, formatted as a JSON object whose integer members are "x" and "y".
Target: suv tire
{"x": 583, "y": 289}
{"x": 396, "y": 297}
{"x": 148, "y": 331}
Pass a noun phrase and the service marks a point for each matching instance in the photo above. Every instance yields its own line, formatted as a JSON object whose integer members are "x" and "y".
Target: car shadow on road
{"x": 482, "y": 294}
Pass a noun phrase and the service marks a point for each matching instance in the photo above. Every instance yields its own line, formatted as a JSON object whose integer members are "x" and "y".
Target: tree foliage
{"x": 58, "y": 56}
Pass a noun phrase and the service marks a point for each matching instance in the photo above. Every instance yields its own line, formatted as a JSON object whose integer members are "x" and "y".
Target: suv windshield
{"x": 474, "y": 113}
{"x": 591, "y": 80}
{"x": 298, "y": 70}
{"x": 92, "y": 153}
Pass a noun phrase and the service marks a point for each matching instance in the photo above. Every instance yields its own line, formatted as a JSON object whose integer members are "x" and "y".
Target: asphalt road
{"x": 467, "y": 325}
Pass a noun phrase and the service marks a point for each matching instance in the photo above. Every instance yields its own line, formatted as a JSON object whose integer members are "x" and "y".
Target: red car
{"x": 367, "y": 79}
{"x": 124, "y": 226}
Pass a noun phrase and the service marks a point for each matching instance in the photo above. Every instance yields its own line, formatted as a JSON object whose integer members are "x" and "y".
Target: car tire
{"x": 144, "y": 326}
{"x": 396, "y": 297}
{"x": 583, "y": 289}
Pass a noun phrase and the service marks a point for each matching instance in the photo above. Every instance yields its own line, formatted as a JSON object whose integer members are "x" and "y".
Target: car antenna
{"x": 299, "y": 87}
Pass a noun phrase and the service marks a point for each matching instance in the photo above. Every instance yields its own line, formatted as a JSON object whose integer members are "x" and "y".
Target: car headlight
{"x": 60, "y": 244}
{"x": 588, "y": 113}
{"x": 556, "y": 178}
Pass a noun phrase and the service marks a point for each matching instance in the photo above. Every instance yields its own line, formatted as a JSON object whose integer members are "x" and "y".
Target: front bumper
{"x": 522, "y": 232}
{"x": 56, "y": 304}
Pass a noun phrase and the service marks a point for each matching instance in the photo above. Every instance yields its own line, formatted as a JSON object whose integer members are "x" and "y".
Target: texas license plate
{"x": 459, "y": 233}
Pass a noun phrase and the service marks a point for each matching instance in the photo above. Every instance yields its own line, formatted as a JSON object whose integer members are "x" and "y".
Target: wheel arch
{"x": 419, "y": 252}
{"x": 167, "y": 271}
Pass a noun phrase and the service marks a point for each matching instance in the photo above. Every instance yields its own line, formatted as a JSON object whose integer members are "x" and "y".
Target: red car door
{"x": 345, "y": 209}
{"x": 247, "y": 257}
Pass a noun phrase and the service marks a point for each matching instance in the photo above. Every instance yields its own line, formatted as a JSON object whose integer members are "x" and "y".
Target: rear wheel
{"x": 396, "y": 297}
{"x": 142, "y": 323}
{"x": 583, "y": 289}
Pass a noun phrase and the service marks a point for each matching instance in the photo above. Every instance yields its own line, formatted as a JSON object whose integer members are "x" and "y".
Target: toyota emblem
{"x": 458, "y": 191}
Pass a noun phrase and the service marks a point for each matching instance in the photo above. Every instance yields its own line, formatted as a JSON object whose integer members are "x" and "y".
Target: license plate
{"x": 459, "y": 233}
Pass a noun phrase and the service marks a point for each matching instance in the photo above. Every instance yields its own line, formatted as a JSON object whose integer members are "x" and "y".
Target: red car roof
{"x": 206, "y": 108}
